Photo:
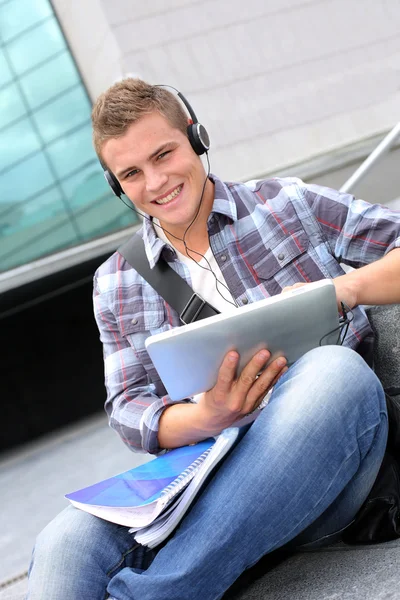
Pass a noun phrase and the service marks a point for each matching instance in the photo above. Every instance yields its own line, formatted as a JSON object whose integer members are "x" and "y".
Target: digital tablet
{"x": 188, "y": 358}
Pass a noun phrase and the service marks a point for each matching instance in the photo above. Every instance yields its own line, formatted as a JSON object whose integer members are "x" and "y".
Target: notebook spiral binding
{"x": 183, "y": 479}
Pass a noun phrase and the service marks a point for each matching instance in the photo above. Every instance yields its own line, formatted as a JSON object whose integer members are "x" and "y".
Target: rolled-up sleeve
{"x": 358, "y": 232}
{"x": 133, "y": 404}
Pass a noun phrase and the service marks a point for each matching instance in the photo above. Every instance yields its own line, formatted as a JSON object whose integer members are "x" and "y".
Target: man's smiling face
{"x": 158, "y": 171}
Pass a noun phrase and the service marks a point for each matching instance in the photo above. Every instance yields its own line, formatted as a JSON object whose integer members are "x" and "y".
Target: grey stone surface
{"x": 16, "y": 591}
{"x": 34, "y": 479}
{"x": 336, "y": 573}
{"x": 385, "y": 321}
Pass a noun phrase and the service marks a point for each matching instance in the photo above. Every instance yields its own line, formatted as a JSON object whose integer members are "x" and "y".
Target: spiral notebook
{"x": 151, "y": 499}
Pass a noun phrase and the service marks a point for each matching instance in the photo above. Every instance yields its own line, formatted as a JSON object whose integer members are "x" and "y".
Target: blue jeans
{"x": 298, "y": 476}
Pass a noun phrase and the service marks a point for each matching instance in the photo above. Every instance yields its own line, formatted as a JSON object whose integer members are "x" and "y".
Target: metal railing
{"x": 372, "y": 159}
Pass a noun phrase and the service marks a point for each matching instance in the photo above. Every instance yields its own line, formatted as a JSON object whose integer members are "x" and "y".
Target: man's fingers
{"x": 267, "y": 378}
{"x": 292, "y": 287}
{"x": 273, "y": 371}
{"x": 279, "y": 375}
{"x": 227, "y": 372}
{"x": 244, "y": 393}
{"x": 264, "y": 382}
{"x": 249, "y": 374}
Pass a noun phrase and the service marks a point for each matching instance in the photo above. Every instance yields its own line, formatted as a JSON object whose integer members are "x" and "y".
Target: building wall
{"x": 274, "y": 81}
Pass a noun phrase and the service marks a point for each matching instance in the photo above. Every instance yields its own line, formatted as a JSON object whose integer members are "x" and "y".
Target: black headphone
{"x": 196, "y": 132}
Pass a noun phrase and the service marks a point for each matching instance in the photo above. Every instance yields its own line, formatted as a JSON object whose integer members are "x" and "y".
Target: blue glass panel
{"x": 26, "y": 215}
{"x": 36, "y": 45}
{"x": 85, "y": 185}
{"x": 5, "y": 73}
{"x": 11, "y": 105}
{"x": 95, "y": 207}
{"x": 43, "y": 235}
{"x": 50, "y": 79}
{"x": 24, "y": 180}
{"x": 17, "y": 142}
{"x": 72, "y": 151}
{"x": 63, "y": 114}
{"x": 105, "y": 215}
{"x": 18, "y": 15}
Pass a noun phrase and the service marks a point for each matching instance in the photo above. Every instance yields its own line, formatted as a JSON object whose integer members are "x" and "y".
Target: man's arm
{"x": 377, "y": 283}
{"x": 133, "y": 403}
{"x": 374, "y": 284}
{"x": 362, "y": 235}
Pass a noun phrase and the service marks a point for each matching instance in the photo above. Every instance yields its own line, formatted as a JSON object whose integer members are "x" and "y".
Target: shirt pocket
{"x": 289, "y": 261}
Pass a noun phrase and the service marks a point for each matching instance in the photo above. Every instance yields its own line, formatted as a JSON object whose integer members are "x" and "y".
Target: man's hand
{"x": 345, "y": 291}
{"x": 233, "y": 397}
{"x": 226, "y": 403}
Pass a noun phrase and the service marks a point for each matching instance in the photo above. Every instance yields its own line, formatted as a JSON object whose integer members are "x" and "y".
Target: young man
{"x": 306, "y": 465}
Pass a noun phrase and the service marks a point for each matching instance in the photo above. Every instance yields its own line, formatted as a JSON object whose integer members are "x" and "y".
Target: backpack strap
{"x": 162, "y": 278}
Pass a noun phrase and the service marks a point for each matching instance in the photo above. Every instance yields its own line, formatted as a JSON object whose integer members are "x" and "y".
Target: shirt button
{"x": 245, "y": 301}
{"x": 223, "y": 257}
{"x": 281, "y": 256}
{"x": 134, "y": 321}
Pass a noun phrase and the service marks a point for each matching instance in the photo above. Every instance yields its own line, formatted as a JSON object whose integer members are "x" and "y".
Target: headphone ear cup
{"x": 113, "y": 183}
{"x": 198, "y": 138}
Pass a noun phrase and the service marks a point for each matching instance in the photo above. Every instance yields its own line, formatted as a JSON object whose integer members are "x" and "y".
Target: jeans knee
{"x": 329, "y": 383}
{"x": 66, "y": 535}
{"x": 327, "y": 356}
{"x": 342, "y": 368}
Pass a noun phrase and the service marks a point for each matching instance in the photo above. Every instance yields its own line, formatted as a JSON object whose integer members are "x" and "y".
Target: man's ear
{"x": 190, "y": 121}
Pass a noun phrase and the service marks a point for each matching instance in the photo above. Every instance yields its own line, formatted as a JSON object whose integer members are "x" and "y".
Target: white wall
{"x": 274, "y": 81}
{"x": 92, "y": 42}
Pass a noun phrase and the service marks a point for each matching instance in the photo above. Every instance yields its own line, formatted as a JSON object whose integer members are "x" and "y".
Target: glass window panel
{"x": 72, "y": 151}
{"x": 50, "y": 79}
{"x": 17, "y": 16}
{"x": 44, "y": 207}
{"x": 36, "y": 45}
{"x": 96, "y": 208}
{"x": 24, "y": 180}
{"x": 17, "y": 142}
{"x": 63, "y": 114}
{"x": 74, "y": 187}
{"x": 5, "y": 73}
{"x": 25, "y": 215}
{"x": 104, "y": 216}
{"x": 30, "y": 243}
{"x": 11, "y": 105}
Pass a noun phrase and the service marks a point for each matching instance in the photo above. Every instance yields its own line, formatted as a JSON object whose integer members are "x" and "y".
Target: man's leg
{"x": 77, "y": 554}
{"x": 324, "y": 429}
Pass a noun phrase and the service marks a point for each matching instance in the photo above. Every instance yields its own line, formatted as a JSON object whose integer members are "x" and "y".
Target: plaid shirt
{"x": 265, "y": 235}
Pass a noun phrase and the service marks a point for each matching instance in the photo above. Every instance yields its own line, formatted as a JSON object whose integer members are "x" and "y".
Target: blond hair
{"x": 128, "y": 100}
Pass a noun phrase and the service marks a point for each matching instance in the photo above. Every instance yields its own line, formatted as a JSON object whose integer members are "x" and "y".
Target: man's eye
{"x": 163, "y": 154}
{"x": 132, "y": 173}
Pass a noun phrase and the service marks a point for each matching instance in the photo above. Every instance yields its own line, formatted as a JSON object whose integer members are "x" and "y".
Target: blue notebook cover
{"x": 144, "y": 484}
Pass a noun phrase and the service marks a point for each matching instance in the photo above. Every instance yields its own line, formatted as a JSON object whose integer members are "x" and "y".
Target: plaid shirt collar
{"x": 224, "y": 204}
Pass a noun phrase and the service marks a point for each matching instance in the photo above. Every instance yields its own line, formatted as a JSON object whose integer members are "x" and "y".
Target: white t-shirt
{"x": 204, "y": 283}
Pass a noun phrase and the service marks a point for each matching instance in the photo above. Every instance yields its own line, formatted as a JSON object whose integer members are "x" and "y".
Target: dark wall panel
{"x": 51, "y": 366}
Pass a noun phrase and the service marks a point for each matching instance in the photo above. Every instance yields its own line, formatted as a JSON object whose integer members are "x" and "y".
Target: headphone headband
{"x": 196, "y": 132}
